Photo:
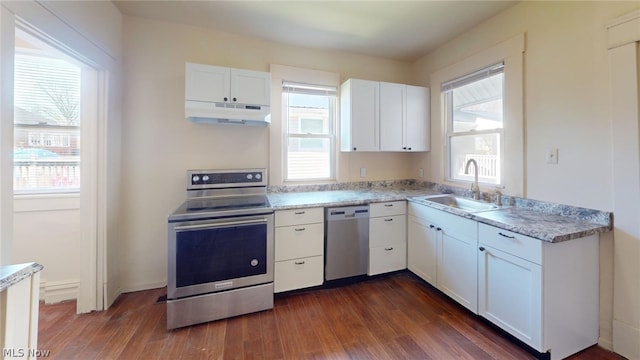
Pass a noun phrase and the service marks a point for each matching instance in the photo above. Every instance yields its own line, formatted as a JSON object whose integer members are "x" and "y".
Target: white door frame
{"x": 93, "y": 212}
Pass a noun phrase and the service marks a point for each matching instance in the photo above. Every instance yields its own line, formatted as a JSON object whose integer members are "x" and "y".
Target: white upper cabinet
{"x": 359, "y": 115}
{"x": 417, "y": 124}
{"x": 222, "y": 84}
{"x": 381, "y": 116}
{"x": 392, "y": 115}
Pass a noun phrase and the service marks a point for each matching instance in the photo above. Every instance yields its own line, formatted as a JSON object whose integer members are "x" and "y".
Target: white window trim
{"x": 280, "y": 73}
{"x": 511, "y": 52}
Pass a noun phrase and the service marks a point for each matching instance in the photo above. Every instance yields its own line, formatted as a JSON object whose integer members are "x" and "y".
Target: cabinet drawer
{"x": 299, "y": 216}
{"x": 387, "y": 230}
{"x": 387, "y": 258}
{"x": 298, "y": 273}
{"x": 511, "y": 243}
{"x": 388, "y": 208}
{"x": 292, "y": 242}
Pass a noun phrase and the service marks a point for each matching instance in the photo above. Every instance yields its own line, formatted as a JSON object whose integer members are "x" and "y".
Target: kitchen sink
{"x": 462, "y": 203}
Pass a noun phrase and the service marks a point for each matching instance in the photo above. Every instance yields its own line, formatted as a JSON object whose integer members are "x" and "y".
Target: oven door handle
{"x": 220, "y": 224}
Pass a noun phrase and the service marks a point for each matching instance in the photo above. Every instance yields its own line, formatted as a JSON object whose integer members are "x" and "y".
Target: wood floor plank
{"x": 395, "y": 316}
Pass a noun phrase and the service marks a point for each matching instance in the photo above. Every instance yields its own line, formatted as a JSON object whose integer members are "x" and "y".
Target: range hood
{"x": 227, "y": 113}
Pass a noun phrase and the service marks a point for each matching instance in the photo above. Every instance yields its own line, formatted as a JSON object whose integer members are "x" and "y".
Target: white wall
{"x": 159, "y": 145}
{"x": 566, "y": 106}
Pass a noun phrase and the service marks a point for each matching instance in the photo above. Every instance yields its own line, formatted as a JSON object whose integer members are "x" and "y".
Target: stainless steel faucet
{"x": 474, "y": 186}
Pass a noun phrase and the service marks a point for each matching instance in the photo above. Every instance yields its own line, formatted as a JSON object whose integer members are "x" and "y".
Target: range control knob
{"x": 258, "y": 176}
{"x": 249, "y": 176}
{"x": 205, "y": 177}
{"x": 195, "y": 178}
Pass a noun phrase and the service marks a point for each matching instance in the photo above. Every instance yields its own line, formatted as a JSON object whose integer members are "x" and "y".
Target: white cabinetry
{"x": 216, "y": 84}
{"x": 387, "y": 237}
{"x": 359, "y": 115}
{"x": 545, "y": 294}
{"x": 454, "y": 240}
{"x": 380, "y": 116}
{"x": 404, "y": 117}
{"x": 299, "y": 249}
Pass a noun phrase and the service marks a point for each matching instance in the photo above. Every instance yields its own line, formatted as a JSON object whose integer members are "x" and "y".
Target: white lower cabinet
{"x": 387, "y": 237}
{"x": 443, "y": 251}
{"x": 544, "y": 294}
{"x": 299, "y": 249}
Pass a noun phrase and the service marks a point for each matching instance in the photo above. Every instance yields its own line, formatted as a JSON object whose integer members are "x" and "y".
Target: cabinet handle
{"x": 388, "y": 219}
{"x": 404, "y": 148}
{"x": 431, "y": 226}
{"x": 388, "y": 249}
{"x": 299, "y": 212}
{"x": 235, "y": 99}
{"x": 439, "y": 229}
{"x": 409, "y": 148}
{"x": 299, "y": 262}
{"x": 300, "y": 229}
{"x": 226, "y": 99}
{"x": 481, "y": 248}
{"x": 507, "y": 236}
{"x": 354, "y": 148}
{"x": 388, "y": 205}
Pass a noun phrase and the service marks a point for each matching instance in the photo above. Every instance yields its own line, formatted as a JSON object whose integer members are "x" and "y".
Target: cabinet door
{"x": 417, "y": 131}
{"x": 359, "y": 115}
{"x": 457, "y": 268}
{"x": 421, "y": 248}
{"x": 509, "y": 294}
{"x": 207, "y": 83}
{"x": 392, "y": 114}
{"x": 250, "y": 87}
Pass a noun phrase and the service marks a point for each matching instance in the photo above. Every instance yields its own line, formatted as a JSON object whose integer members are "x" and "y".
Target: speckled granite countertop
{"x": 545, "y": 221}
{"x": 12, "y": 274}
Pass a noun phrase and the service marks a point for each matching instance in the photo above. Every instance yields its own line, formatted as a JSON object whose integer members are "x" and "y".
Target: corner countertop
{"x": 545, "y": 221}
{"x": 13, "y": 274}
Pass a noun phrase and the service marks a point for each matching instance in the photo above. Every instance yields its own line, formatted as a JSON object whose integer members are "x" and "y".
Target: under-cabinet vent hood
{"x": 227, "y": 113}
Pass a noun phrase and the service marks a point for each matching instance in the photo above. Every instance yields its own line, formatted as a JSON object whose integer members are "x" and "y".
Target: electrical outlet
{"x": 421, "y": 173}
{"x": 552, "y": 156}
{"x": 363, "y": 172}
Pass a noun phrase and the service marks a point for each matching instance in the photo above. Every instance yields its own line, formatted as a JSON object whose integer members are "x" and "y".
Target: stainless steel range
{"x": 220, "y": 248}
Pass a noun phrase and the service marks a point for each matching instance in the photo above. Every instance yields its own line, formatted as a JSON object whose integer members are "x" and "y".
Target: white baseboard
{"x": 57, "y": 291}
{"x": 143, "y": 286}
{"x": 626, "y": 340}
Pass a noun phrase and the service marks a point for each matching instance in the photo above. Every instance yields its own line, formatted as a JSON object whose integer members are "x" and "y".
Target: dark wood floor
{"x": 395, "y": 316}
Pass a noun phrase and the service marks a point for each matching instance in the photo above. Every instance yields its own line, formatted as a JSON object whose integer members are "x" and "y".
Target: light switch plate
{"x": 363, "y": 172}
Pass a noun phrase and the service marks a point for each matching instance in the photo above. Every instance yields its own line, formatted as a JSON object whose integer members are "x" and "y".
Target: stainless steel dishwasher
{"x": 346, "y": 242}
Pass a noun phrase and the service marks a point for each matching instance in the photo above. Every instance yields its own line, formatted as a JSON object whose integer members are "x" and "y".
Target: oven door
{"x": 214, "y": 255}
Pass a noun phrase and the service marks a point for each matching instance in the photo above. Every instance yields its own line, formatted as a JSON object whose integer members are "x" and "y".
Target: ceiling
{"x": 400, "y": 30}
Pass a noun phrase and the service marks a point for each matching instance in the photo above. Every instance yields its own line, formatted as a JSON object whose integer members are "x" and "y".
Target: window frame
{"x": 310, "y": 89}
{"x": 511, "y": 52}
{"x": 447, "y": 92}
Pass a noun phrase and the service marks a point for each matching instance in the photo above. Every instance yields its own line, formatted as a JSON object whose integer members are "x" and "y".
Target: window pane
{"x": 485, "y": 149}
{"x": 46, "y": 153}
{"x": 309, "y": 158}
{"x": 310, "y": 117}
{"x": 478, "y": 106}
{"x": 308, "y": 114}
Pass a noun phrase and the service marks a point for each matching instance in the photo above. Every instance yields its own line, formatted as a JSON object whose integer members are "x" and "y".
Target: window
{"x": 474, "y": 117}
{"x": 46, "y": 153}
{"x": 309, "y": 115}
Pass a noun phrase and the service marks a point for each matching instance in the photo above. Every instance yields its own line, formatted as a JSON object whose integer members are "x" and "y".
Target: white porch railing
{"x": 31, "y": 175}
{"x": 488, "y": 166}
